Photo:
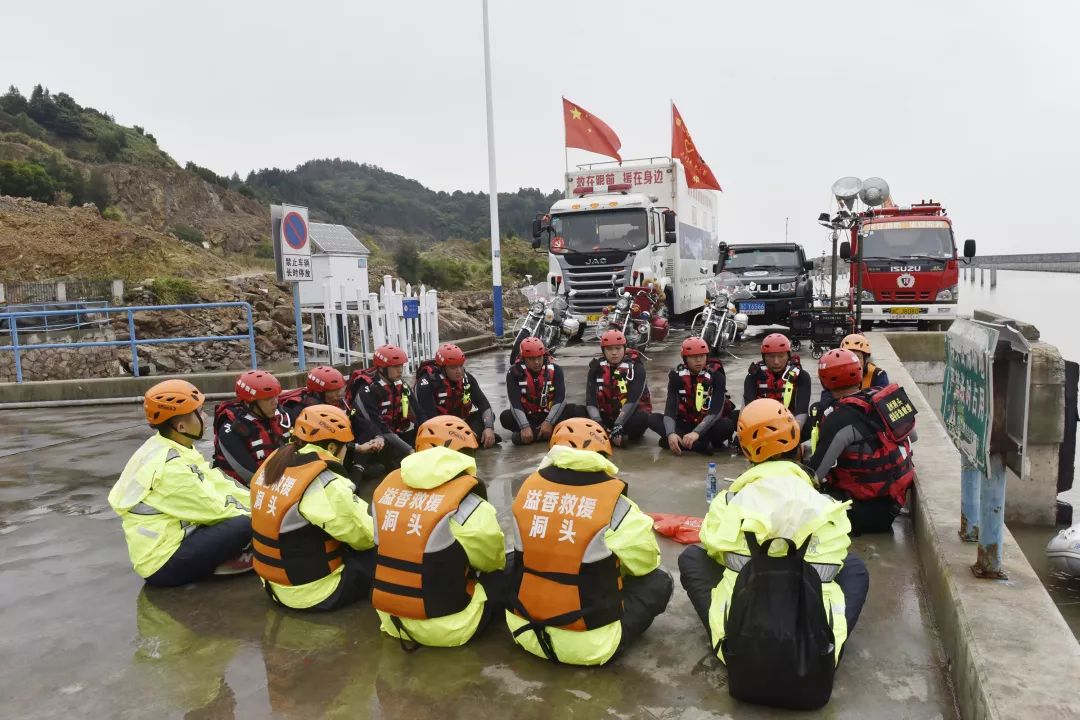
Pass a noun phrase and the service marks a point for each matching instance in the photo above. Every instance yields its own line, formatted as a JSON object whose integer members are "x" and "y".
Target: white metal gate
{"x": 347, "y": 329}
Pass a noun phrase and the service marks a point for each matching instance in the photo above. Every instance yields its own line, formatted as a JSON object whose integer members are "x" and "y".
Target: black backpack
{"x": 779, "y": 645}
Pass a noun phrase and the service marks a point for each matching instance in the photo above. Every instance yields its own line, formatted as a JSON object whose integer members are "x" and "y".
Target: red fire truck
{"x": 904, "y": 265}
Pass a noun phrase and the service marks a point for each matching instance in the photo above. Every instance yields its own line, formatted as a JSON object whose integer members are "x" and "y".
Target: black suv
{"x": 778, "y": 275}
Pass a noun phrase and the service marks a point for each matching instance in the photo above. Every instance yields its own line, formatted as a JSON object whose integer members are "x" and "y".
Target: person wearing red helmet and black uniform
{"x": 779, "y": 376}
{"x": 616, "y": 392}
{"x": 324, "y": 386}
{"x": 862, "y": 451}
{"x": 537, "y": 394}
{"x": 249, "y": 428}
{"x": 698, "y": 414}
{"x": 445, "y": 387}
{"x": 383, "y": 408}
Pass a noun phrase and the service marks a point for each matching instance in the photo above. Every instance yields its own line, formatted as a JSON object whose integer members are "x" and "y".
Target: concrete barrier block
{"x": 1047, "y": 365}
{"x": 914, "y": 346}
{"x": 1010, "y": 652}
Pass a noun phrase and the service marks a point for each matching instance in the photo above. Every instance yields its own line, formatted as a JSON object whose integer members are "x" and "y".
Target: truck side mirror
{"x": 808, "y": 265}
{"x": 715, "y": 267}
{"x": 845, "y": 250}
{"x": 669, "y": 223}
{"x": 537, "y": 229}
{"x": 969, "y": 248}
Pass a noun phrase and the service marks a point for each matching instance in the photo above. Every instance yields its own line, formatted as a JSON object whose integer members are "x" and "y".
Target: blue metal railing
{"x": 86, "y": 313}
{"x": 133, "y": 342}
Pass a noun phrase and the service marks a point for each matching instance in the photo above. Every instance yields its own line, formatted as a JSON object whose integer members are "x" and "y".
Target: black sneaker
{"x": 703, "y": 446}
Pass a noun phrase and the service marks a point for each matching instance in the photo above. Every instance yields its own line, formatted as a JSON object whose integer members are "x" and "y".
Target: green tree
{"x": 12, "y": 102}
{"x": 111, "y": 143}
{"x": 407, "y": 259}
{"x": 97, "y": 189}
{"x": 22, "y": 179}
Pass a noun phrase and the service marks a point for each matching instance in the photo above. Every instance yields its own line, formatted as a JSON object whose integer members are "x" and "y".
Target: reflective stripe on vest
{"x": 537, "y": 391}
{"x": 451, "y": 398}
{"x": 776, "y": 387}
{"x": 695, "y": 394}
{"x": 260, "y": 436}
{"x": 393, "y": 397}
{"x": 288, "y": 549}
{"x": 570, "y": 579}
{"x": 421, "y": 570}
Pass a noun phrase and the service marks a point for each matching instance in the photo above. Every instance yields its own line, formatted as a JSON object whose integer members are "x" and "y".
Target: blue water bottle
{"x": 710, "y": 483}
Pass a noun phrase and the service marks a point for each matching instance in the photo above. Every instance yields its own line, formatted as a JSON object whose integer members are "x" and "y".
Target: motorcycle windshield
{"x": 729, "y": 284}
{"x": 539, "y": 291}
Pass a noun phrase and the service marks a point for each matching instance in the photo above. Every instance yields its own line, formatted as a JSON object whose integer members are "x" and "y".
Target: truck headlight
{"x": 867, "y": 296}
{"x": 787, "y": 287}
{"x": 950, "y": 294}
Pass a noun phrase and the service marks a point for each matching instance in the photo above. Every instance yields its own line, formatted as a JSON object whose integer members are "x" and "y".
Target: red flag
{"x": 698, "y": 174}
{"x": 589, "y": 132}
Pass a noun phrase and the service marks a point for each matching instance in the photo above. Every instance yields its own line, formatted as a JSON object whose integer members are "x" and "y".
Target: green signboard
{"x": 967, "y": 404}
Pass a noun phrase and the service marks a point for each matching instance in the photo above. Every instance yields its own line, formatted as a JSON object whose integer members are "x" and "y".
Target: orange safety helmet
{"x": 775, "y": 343}
{"x": 767, "y": 429}
{"x": 450, "y": 355}
{"x": 694, "y": 346}
{"x": 169, "y": 399}
{"x": 612, "y": 338}
{"x": 324, "y": 378}
{"x": 532, "y": 347}
{"x": 257, "y": 385}
{"x": 583, "y": 434}
{"x": 840, "y": 369}
{"x": 446, "y": 431}
{"x": 390, "y": 356}
{"x": 323, "y": 422}
{"x": 855, "y": 341}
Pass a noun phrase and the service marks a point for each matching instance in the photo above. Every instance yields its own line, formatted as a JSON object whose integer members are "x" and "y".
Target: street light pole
{"x": 493, "y": 193}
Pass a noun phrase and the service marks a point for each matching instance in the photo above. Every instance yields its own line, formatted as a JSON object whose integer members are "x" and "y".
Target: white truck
{"x": 617, "y": 219}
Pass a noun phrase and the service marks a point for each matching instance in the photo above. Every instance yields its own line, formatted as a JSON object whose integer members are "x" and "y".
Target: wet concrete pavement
{"x": 80, "y": 635}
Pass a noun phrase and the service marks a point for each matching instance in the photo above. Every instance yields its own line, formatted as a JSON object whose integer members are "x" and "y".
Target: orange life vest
{"x": 294, "y": 555}
{"x": 421, "y": 570}
{"x": 560, "y": 584}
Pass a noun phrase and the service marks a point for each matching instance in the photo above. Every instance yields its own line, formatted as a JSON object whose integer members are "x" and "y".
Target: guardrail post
{"x": 251, "y": 337}
{"x": 970, "y": 483}
{"x": 12, "y": 325}
{"x": 991, "y": 521}
{"x": 134, "y": 347}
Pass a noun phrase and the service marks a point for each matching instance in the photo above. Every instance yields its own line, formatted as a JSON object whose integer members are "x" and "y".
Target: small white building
{"x": 338, "y": 260}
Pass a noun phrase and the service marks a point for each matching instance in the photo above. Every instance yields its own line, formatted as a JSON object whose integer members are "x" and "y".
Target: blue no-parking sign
{"x": 292, "y": 246}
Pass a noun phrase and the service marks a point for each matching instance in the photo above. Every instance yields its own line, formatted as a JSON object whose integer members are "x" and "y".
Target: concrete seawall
{"x": 1011, "y": 653}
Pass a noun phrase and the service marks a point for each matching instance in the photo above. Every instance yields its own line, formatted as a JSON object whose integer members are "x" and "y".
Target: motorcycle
{"x": 631, "y": 315}
{"x": 547, "y": 318}
{"x": 719, "y": 324}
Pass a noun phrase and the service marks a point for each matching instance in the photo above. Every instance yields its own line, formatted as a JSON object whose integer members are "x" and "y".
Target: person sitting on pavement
{"x": 249, "y": 428}
{"x": 445, "y": 387}
{"x": 313, "y": 537}
{"x": 537, "y": 393}
{"x": 324, "y": 385}
{"x": 617, "y": 392}
{"x": 859, "y": 454}
{"x": 383, "y": 409}
{"x": 586, "y": 562}
{"x": 779, "y": 376}
{"x": 775, "y": 498}
{"x": 873, "y": 376}
{"x": 698, "y": 414}
{"x": 438, "y": 542}
{"x": 183, "y": 520}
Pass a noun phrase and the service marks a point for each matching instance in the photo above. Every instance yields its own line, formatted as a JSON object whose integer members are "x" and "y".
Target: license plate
{"x": 752, "y": 308}
{"x": 905, "y": 311}
{"x": 592, "y": 318}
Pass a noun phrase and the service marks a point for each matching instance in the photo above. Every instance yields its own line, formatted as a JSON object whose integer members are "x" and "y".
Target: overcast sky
{"x": 974, "y": 103}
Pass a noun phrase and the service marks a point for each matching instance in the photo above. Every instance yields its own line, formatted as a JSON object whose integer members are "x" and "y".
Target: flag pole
{"x": 493, "y": 193}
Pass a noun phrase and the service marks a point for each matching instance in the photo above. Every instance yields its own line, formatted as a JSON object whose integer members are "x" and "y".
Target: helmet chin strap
{"x": 189, "y": 436}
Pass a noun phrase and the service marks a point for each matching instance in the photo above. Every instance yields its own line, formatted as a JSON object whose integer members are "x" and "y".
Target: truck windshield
{"x": 600, "y": 231}
{"x": 908, "y": 242}
{"x": 750, "y": 258}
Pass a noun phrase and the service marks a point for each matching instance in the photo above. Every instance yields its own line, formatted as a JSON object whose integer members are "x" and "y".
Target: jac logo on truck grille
{"x": 905, "y": 281}
{"x": 906, "y": 268}
{"x": 596, "y": 261}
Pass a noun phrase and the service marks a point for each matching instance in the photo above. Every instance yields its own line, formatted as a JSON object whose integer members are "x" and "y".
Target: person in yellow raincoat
{"x": 183, "y": 520}
{"x": 774, "y": 498}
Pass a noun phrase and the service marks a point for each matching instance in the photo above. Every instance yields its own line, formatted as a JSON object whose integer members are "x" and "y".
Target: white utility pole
{"x": 493, "y": 192}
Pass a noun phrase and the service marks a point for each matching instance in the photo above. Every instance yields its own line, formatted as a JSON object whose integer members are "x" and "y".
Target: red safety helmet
{"x": 660, "y": 328}
{"x": 840, "y": 369}
{"x": 532, "y": 347}
{"x": 257, "y": 385}
{"x": 775, "y": 343}
{"x": 612, "y": 338}
{"x": 390, "y": 356}
{"x": 694, "y": 346}
{"x": 449, "y": 355}
{"x": 323, "y": 378}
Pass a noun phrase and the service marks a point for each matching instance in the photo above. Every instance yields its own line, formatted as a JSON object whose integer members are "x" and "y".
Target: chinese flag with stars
{"x": 698, "y": 174}
{"x": 589, "y": 132}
